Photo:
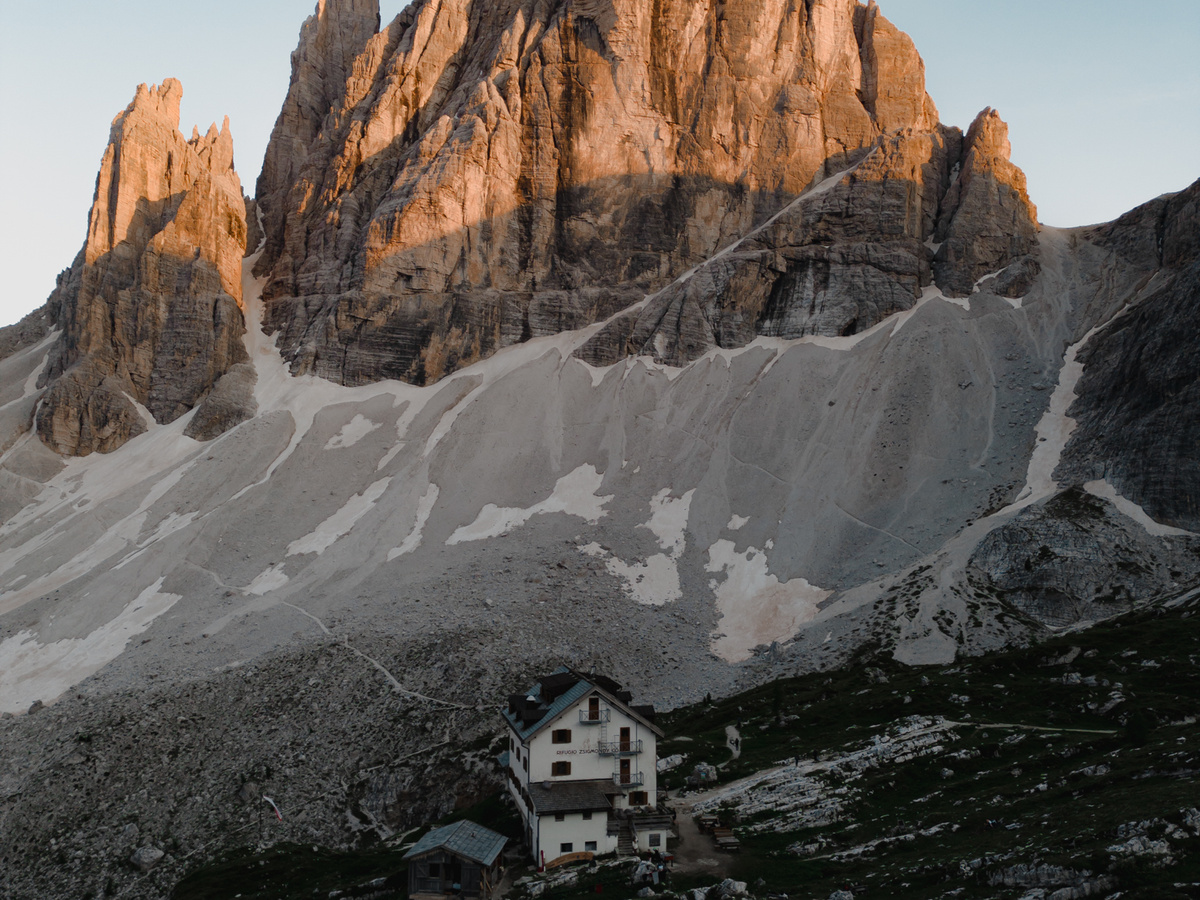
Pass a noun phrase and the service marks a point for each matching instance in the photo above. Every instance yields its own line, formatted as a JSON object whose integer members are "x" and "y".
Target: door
{"x": 625, "y": 772}
{"x": 594, "y": 709}
{"x": 625, "y": 740}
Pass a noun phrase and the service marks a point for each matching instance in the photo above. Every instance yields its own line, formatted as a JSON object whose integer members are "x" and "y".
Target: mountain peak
{"x": 149, "y": 312}
{"x": 156, "y": 100}
{"x": 441, "y": 190}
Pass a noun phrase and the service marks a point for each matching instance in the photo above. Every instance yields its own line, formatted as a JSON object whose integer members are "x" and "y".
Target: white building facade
{"x": 582, "y": 767}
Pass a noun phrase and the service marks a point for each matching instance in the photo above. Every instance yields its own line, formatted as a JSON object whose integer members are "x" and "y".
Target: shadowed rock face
{"x": 149, "y": 311}
{"x": 841, "y": 260}
{"x": 1137, "y": 425}
{"x": 1074, "y": 558}
{"x": 29, "y": 331}
{"x": 988, "y": 222}
{"x": 483, "y": 173}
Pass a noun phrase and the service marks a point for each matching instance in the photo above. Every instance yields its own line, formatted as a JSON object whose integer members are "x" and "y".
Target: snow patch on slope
{"x": 270, "y": 580}
{"x": 352, "y": 432}
{"x": 655, "y": 581}
{"x": 575, "y": 494}
{"x": 756, "y": 607}
{"x": 668, "y": 520}
{"x": 1054, "y": 429}
{"x": 1106, "y": 491}
{"x": 31, "y": 671}
{"x": 340, "y": 523}
{"x": 424, "y": 509}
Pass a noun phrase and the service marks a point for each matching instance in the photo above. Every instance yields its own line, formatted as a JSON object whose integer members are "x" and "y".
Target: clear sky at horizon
{"x": 1103, "y": 99}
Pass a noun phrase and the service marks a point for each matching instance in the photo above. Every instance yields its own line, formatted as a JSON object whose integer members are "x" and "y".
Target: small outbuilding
{"x": 462, "y": 860}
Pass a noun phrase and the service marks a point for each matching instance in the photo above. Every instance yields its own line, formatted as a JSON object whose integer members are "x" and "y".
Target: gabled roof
{"x": 554, "y": 695}
{"x": 466, "y": 839}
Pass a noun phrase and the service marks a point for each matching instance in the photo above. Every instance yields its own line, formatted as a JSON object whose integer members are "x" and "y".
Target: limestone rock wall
{"x": 486, "y": 172}
{"x": 150, "y": 310}
{"x": 839, "y": 261}
{"x": 988, "y": 222}
{"x": 1141, "y": 381}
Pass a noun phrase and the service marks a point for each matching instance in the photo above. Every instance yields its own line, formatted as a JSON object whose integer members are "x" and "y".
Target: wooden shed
{"x": 461, "y": 860}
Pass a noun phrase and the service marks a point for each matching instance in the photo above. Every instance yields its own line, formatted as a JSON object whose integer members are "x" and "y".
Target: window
{"x": 435, "y": 870}
{"x": 560, "y": 817}
{"x": 637, "y": 798}
{"x": 590, "y": 846}
{"x": 587, "y": 816}
{"x": 525, "y": 763}
{"x": 656, "y": 840}
{"x": 560, "y": 768}
{"x": 566, "y": 848}
{"x": 561, "y": 736}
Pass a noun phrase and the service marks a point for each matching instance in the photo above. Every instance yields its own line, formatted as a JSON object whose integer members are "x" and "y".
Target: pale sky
{"x": 1102, "y": 97}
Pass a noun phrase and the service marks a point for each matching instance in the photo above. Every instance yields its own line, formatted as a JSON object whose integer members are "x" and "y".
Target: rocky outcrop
{"x": 149, "y": 312}
{"x": 230, "y": 403}
{"x": 25, "y": 333}
{"x": 330, "y": 42}
{"x": 832, "y": 264}
{"x": 1140, "y": 388}
{"x": 988, "y": 222}
{"x": 1074, "y": 558}
{"x": 487, "y": 172}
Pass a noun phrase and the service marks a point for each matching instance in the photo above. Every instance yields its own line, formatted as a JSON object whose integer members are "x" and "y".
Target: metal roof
{"x": 466, "y": 839}
{"x": 564, "y": 702}
{"x": 558, "y": 707}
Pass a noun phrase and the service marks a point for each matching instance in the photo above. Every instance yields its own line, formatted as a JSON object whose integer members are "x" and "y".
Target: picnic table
{"x": 726, "y": 840}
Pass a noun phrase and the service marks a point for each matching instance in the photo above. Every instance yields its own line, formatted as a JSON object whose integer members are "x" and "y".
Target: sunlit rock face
{"x": 149, "y": 312}
{"x": 477, "y": 174}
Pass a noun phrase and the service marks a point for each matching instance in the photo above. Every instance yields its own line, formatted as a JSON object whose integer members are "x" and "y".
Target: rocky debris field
{"x": 1066, "y": 768}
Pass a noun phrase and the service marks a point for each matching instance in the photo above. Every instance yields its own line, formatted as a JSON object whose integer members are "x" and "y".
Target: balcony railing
{"x": 620, "y": 748}
{"x": 594, "y": 716}
{"x": 629, "y": 779}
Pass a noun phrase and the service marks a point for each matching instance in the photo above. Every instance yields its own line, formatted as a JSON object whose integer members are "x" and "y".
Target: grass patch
{"x": 1106, "y": 738}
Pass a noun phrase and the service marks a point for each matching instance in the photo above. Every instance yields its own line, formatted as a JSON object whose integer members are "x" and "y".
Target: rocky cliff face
{"x": 1075, "y": 559}
{"x": 844, "y": 257}
{"x": 149, "y": 311}
{"x": 477, "y": 174}
{"x": 1141, "y": 383}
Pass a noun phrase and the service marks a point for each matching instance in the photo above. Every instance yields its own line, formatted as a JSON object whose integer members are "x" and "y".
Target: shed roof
{"x": 572, "y": 796}
{"x": 466, "y": 839}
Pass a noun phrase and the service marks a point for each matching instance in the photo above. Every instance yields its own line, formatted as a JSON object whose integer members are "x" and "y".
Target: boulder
{"x": 146, "y": 858}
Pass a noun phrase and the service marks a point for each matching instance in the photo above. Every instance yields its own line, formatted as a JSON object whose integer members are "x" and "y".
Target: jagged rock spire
{"x": 484, "y": 172}
{"x": 149, "y": 312}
